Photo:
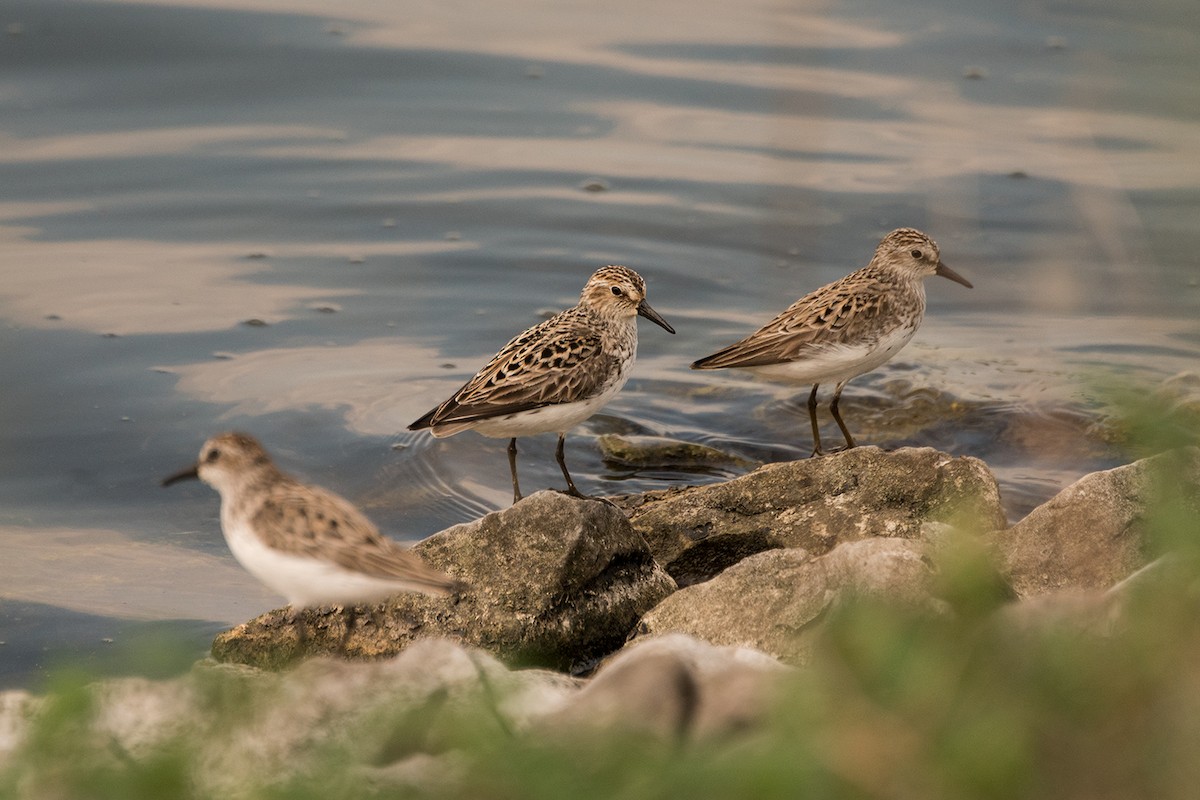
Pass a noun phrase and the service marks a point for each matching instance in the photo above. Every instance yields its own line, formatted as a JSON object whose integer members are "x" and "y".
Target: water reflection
{"x": 377, "y": 385}
{"x": 109, "y": 574}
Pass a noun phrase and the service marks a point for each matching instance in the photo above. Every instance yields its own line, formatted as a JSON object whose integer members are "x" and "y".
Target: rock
{"x": 657, "y": 452}
{"x": 656, "y": 694}
{"x": 1156, "y": 418}
{"x": 1082, "y": 610}
{"x": 419, "y": 775}
{"x": 17, "y": 708}
{"x": 774, "y": 601}
{"x": 595, "y": 185}
{"x": 1093, "y": 533}
{"x": 391, "y": 721}
{"x": 414, "y": 722}
{"x": 555, "y": 581}
{"x": 675, "y": 687}
{"x": 1102, "y": 612}
{"x": 926, "y": 410}
{"x": 382, "y": 715}
{"x": 814, "y": 504}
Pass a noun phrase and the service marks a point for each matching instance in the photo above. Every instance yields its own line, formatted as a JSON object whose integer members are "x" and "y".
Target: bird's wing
{"x": 834, "y": 315}
{"x": 556, "y": 361}
{"x": 310, "y": 521}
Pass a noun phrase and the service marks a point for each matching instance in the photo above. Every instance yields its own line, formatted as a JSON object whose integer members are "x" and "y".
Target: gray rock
{"x": 1098, "y": 612}
{"x": 17, "y": 708}
{"x": 394, "y": 722}
{"x": 673, "y": 686}
{"x": 392, "y": 725}
{"x": 814, "y": 504}
{"x": 1075, "y": 610}
{"x": 418, "y": 775}
{"x": 1063, "y": 614}
{"x": 774, "y": 601}
{"x": 554, "y": 580}
{"x": 1093, "y": 533}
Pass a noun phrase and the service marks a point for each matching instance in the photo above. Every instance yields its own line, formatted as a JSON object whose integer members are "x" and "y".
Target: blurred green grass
{"x": 896, "y": 703}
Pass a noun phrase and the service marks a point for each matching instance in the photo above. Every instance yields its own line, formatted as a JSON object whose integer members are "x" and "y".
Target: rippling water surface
{"x": 256, "y": 215}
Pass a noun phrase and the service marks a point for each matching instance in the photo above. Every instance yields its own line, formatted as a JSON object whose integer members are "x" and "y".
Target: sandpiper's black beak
{"x": 190, "y": 473}
{"x": 644, "y": 310}
{"x": 946, "y": 272}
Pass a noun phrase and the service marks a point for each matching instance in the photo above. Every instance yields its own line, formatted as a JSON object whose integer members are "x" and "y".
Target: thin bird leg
{"x": 833, "y": 409}
{"x": 812, "y": 416}
{"x": 512, "y": 467}
{"x": 558, "y": 453}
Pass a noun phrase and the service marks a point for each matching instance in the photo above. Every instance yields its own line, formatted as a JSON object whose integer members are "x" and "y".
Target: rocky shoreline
{"x": 683, "y": 607}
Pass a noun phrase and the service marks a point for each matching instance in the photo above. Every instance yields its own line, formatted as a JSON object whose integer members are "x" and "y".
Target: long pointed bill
{"x": 946, "y": 272}
{"x": 644, "y": 310}
{"x": 188, "y": 474}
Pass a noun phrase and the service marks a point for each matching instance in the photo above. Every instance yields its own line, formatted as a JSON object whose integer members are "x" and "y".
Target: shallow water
{"x": 396, "y": 192}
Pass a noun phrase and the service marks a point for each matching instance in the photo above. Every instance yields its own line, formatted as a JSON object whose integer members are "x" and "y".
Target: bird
{"x": 304, "y": 542}
{"x": 846, "y": 328}
{"x": 556, "y": 374}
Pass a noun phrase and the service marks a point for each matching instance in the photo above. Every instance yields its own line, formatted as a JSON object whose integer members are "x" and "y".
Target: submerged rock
{"x": 554, "y": 580}
{"x": 901, "y": 410}
{"x": 1094, "y": 533}
{"x": 814, "y": 504}
{"x": 657, "y": 452}
{"x": 774, "y": 601}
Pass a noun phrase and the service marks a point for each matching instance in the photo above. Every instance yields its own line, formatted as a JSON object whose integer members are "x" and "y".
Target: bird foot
{"x": 832, "y": 450}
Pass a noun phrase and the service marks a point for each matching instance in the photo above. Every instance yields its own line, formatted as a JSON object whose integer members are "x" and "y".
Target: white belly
{"x": 838, "y": 363}
{"x": 305, "y": 582}
{"x": 557, "y": 418}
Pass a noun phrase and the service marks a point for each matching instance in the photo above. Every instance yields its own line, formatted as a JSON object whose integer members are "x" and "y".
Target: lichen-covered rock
{"x": 774, "y": 601}
{"x": 1093, "y": 533}
{"x": 815, "y": 504}
{"x": 554, "y": 580}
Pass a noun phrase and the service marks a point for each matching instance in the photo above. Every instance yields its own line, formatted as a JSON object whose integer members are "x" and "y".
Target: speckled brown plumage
{"x": 571, "y": 356}
{"x": 857, "y": 309}
{"x": 556, "y": 374}
{"x": 845, "y": 328}
{"x": 305, "y": 542}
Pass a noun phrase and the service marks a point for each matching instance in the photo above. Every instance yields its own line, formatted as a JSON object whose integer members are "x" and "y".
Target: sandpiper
{"x": 846, "y": 328}
{"x": 556, "y": 374}
{"x": 304, "y": 542}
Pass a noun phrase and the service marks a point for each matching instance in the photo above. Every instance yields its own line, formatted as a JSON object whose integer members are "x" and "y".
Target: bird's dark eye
{"x": 617, "y": 291}
{"x": 917, "y": 254}
{"x": 212, "y": 455}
